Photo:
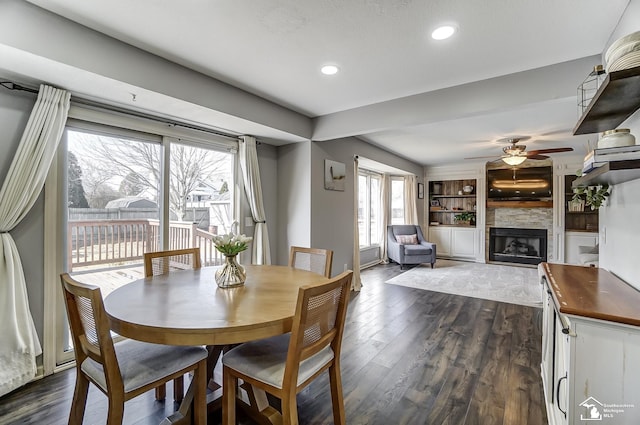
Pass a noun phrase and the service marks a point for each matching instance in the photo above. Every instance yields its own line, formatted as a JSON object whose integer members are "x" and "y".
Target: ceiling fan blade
{"x": 482, "y": 157}
{"x": 537, "y": 157}
{"x": 551, "y": 150}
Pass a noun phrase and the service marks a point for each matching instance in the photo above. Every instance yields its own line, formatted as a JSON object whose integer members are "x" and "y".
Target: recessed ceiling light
{"x": 329, "y": 69}
{"x": 443, "y": 32}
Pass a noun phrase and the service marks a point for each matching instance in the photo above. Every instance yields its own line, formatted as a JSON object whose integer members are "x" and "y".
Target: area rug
{"x": 508, "y": 284}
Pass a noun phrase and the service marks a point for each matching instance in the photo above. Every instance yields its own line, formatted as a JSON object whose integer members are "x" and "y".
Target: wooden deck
{"x": 109, "y": 278}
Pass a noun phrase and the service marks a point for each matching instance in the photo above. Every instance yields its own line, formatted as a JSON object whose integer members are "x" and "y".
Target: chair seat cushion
{"x": 142, "y": 363}
{"x": 265, "y": 359}
{"x": 416, "y": 250}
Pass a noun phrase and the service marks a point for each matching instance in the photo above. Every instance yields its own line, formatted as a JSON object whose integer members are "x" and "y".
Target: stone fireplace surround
{"x": 521, "y": 218}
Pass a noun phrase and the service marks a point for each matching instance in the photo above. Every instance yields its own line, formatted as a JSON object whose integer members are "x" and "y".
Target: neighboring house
{"x": 131, "y": 202}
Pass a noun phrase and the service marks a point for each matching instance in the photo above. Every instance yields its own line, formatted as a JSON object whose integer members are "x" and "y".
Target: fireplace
{"x": 523, "y": 246}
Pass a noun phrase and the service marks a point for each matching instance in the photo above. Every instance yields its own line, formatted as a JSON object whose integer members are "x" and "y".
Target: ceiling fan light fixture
{"x": 514, "y": 160}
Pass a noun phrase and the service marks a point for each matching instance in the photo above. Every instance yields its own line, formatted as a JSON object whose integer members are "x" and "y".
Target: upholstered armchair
{"x": 406, "y": 245}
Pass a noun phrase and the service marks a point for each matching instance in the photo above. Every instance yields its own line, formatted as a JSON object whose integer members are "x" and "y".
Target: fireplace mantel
{"x": 519, "y": 204}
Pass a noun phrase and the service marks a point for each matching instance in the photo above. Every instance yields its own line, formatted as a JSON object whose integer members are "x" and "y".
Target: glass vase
{"x": 231, "y": 273}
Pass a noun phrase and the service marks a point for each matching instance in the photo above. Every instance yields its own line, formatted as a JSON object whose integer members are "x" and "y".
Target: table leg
{"x": 256, "y": 406}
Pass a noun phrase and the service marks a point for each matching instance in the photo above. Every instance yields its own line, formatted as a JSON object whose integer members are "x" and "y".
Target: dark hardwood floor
{"x": 409, "y": 357}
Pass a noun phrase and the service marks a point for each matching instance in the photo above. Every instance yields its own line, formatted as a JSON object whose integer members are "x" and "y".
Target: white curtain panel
{"x": 356, "y": 283}
{"x": 385, "y": 212}
{"x": 20, "y": 190}
{"x": 410, "y": 195}
{"x": 261, "y": 254}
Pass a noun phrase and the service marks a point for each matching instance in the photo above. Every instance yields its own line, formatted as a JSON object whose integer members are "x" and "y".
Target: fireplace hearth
{"x": 513, "y": 245}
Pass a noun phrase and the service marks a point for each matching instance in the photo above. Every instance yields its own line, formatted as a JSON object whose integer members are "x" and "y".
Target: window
{"x": 369, "y": 208}
{"x": 397, "y": 200}
{"x": 130, "y": 192}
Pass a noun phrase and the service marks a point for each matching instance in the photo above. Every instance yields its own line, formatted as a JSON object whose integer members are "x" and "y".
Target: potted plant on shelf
{"x": 593, "y": 196}
{"x": 465, "y": 218}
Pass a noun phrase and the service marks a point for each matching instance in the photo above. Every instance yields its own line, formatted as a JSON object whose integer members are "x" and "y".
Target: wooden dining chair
{"x": 313, "y": 259}
{"x": 125, "y": 369}
{"x": 285, "y": 364}
{"x": 162, "y": 262}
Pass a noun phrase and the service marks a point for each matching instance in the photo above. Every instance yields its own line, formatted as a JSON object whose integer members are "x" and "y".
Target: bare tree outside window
{"x": 119, "y": 168}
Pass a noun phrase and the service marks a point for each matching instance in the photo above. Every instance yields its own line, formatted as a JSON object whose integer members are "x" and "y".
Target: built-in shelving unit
{"x": 448, "y": 199}
{"x": 617, "y": 98}
{"x": 577, "y": 221}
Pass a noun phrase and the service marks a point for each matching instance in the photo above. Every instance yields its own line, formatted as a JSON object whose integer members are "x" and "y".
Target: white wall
{"x": 619, "y": 220}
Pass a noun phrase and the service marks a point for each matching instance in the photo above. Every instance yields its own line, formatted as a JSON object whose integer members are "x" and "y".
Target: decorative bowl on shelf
{"x": 467, "y": 189}
{"x": 616, "y": 138}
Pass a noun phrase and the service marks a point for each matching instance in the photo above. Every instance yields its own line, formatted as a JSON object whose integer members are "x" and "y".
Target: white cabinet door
{"x": 547, "y": 343}
{"x": 441, "y": 236}
{"x": 561, "y": 374}
{"x": 463, "y": 242}
{"x": 573, "y": 240}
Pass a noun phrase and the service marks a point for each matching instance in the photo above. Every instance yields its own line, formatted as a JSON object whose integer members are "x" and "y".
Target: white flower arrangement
{"x": 231, "y": 244}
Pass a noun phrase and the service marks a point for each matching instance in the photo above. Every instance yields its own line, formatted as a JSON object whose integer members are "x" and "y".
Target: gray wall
{"x": 294, "y": 198}
{"x": 332, "y": 211}
{"x": 15, "y": 109}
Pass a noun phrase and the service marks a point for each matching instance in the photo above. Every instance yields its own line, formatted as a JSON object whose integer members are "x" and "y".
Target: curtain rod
{"x": 10, "y": 85}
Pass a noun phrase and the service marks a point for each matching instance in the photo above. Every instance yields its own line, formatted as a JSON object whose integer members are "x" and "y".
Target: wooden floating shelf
{"x": 614, "y": 172}
{"x": 616, "y": 100}
{"x": 453, "y": 196}
{"x": 451, "y": 211}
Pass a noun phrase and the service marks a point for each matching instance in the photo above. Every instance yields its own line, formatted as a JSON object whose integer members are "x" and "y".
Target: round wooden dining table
{"x": 187, "y": 308}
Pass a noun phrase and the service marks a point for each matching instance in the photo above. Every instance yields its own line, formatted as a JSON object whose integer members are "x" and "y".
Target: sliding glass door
{"x": 127, "y": 193}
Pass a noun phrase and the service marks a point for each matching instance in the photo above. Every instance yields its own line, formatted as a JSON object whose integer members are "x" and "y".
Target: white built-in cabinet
{"x": 590, "y": 346}
{"x": 449, "y": 199}
{"x": 454, "y": 242}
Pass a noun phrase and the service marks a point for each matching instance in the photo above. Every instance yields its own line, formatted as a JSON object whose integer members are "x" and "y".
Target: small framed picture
{"x": 420, "y": 191}
{"x": 435, "y": 203}
{"x": 334, "y": 175}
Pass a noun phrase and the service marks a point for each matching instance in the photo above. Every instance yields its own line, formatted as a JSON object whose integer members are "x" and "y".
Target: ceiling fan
{"x": 516, "y": 154}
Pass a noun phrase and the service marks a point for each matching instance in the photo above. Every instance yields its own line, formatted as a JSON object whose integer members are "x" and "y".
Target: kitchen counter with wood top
{"x": 590, "y": 346}
{"x": 592, "y": 292}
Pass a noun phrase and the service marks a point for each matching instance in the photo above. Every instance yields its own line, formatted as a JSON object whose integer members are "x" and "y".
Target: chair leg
{"x": 337, "y": 400}
{"x": 116, "y": 409}
{"x": 79, "y": 399}
{"x": 161, "y": 392}
{"x": 289, "y": 408}
{"x": 178, "y": 389}
{"x": 433, "y": 264}
{"x": 229, "y": 384}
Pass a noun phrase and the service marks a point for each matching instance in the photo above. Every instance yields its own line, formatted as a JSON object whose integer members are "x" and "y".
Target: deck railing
{"x": 94, "y": 242}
